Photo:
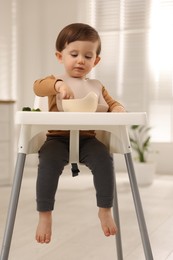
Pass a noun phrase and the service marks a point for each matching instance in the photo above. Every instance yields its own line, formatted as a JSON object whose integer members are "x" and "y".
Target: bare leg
{"x": 107, "y": 222}
{"x": 44, "y": 228}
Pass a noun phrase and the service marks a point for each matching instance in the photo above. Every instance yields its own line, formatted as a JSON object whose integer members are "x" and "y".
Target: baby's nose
{"x": 81, "y": 60}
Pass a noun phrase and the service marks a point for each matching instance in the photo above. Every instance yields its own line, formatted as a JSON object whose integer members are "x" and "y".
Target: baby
{"x": 78, "y": 48}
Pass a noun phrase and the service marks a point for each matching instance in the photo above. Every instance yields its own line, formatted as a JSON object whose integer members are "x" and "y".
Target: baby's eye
{"x": 88, "y": 57}
{"x": 74, "y": 55}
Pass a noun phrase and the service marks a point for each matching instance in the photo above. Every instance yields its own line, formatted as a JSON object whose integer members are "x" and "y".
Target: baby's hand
{"x": 64, "y": 90}
{"x": 119, "y": 109}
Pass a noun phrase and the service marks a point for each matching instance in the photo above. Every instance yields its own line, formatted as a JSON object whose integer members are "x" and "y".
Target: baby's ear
{"x": 97, "y": 60}
{"x": 59, "y": 56}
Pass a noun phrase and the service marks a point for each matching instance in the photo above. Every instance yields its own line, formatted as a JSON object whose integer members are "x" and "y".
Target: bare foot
{"x": 107, "y": 222}
{"x": 44, "y": 228}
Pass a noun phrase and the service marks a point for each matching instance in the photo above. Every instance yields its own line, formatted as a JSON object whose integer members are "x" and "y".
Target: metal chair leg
{"x": 138, "y": 207}
{"x": 13, "y": 206}
{"x": 117, "y": 220}
{"x": 136, "y": 196}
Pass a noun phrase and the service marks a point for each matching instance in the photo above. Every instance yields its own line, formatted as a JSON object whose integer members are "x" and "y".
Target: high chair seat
{"x": 113, "y": 127}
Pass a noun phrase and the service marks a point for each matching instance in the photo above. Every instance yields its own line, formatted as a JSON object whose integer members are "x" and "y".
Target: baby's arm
{"x": 50, "y": 86}
{"x": 64, "y": 90}
{"x": 45, "y": 86}
{"x": 114, "y": 106}
{"x": 118, "y": 108}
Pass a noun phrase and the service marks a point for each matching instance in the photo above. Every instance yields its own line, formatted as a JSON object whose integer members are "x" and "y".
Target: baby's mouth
{"x": 79, "y": 68}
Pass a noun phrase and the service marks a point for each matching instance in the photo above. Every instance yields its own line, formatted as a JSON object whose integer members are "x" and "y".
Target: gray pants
{"x": 54, "y": 155}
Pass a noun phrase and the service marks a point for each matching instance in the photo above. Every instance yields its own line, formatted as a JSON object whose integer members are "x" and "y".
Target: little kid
{"x": 78, "y": 48}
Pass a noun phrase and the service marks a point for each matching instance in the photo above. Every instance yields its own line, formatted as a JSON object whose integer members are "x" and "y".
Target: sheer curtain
{"x": 161, "y": 69}
{"x": 8, "y": 49}
{"x": 137, "y": 57}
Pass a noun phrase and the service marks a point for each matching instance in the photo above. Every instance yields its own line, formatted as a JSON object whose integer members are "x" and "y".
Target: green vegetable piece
{"x": 36, "y": 110}
{"x": 26, "y": 109}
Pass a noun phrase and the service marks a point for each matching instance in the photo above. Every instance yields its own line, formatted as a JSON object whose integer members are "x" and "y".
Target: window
{"x": 161, "y": 69}
{"x": 137, "y": 57}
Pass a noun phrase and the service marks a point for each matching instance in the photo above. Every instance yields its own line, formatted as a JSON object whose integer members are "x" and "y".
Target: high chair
{"x": 111, "y": 129}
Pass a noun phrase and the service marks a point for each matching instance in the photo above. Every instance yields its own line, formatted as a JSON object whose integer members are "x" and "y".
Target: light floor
{"x": 76, "y": 230}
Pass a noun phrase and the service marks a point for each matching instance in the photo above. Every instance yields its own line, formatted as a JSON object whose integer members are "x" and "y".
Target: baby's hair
{"x": 77, "y": 32}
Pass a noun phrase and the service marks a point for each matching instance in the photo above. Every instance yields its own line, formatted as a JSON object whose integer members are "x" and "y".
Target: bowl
{"x": 87, "y": 104}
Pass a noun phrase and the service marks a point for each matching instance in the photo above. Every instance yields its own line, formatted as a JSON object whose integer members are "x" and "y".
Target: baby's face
{"x": 79, "y": 58}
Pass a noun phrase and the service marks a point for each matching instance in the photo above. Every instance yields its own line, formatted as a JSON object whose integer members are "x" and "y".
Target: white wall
{"x": 162, "y": 155}
{"x": 39, "y": 23}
